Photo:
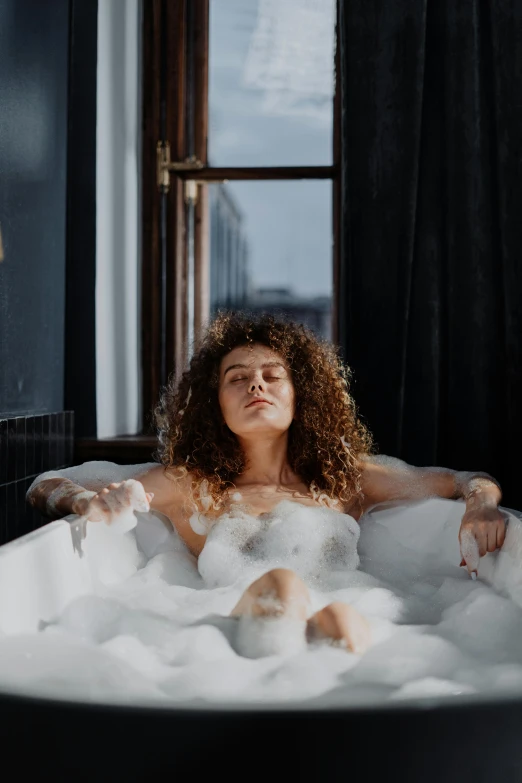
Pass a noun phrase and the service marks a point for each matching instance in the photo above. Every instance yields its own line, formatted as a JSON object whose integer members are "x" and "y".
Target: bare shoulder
{"x": 169, "y": 485}
{"x": 385, "y": 478}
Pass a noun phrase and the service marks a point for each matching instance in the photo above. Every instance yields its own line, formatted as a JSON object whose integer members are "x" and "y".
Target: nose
{"x": 256, "y": 384}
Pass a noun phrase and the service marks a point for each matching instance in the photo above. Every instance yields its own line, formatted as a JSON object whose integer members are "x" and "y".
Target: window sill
{"x": 124, "y": 450}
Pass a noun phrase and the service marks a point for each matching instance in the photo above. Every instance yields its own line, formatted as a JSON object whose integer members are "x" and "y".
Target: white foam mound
{"x": 157, "y": 629}
{"x": 316, "y": 543}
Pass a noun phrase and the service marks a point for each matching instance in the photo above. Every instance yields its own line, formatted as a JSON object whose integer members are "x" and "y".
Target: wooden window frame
{"x": 175, "y": 111}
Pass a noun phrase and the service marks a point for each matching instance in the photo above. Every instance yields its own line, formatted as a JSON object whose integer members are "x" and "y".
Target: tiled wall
{"x": 29, "y": 445}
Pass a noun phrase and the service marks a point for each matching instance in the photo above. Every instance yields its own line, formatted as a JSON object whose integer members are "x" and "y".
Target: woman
{"x": 264, "y": 415}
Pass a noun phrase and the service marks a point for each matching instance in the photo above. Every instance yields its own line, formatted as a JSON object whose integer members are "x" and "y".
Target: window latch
{"x": 165, "y": 165}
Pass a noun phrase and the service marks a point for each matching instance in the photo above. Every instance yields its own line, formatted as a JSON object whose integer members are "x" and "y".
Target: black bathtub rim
{"x": 463, "y": 705}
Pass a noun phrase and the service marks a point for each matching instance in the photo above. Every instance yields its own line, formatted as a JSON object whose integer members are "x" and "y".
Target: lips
{"x": 257, "y": 401}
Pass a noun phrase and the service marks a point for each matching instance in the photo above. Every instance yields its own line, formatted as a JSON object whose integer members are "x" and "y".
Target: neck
{"x": 266, "y": 461}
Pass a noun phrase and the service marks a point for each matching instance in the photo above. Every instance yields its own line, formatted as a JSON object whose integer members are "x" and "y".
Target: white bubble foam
{"x": 258, "y": 637}
{"x": 407, "y": 656}
{"x": 316, "y": 543}
{"x": 157, "y": 627}
{"x": 97, "y": 474}
{"x": 429, "y": 687}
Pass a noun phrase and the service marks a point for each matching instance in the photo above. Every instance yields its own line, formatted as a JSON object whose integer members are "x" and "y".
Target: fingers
{"x": 117, "y": 499}
{"x": 501, "y": 534}
{"x": 479, "y": 538}
{"x": 469, "y": 549}
{"x": 492, "y": 539}
{"x": 135, "y": 492}
{"x": 471, "y": 571}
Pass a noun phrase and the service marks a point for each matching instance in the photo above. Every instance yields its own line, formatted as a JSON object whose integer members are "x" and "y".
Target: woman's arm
{"x": 385, "y": 479}
{"x": 85, "y": 490}
{"x": 56, "y": 498}
{"x": 103, "y": 489}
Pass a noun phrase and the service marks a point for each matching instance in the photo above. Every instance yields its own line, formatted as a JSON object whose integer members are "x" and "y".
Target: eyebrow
{"x": 245, "y": 367}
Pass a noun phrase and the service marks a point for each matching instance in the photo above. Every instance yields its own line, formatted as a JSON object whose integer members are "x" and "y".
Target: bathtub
{"x": 436, "y": 739}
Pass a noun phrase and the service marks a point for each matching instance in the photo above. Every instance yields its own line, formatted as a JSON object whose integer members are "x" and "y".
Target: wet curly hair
{"x": 325, "y": 440}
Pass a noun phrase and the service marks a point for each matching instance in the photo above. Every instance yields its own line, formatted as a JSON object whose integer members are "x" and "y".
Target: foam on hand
{"x": 157, "y": 627}
{"x": 470, "y": 552}
{"x": 96, "y": 474}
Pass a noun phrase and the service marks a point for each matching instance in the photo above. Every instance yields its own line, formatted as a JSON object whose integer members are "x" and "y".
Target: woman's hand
{"x": 113, "y": 502}
{"x": 482, "y": 530}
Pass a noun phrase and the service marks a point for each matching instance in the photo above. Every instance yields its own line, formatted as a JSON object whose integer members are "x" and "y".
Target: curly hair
{"x": 324, "y": 441}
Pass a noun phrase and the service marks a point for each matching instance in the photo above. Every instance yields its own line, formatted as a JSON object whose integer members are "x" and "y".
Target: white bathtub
{"x": 42, "y": 572}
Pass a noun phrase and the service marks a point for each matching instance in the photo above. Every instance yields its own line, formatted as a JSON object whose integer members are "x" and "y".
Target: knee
{"x": 285, "y": 584}
{"x": 336, "y": 610}
{"x": 282, "y": 578}
{"x": 278, "y": 592}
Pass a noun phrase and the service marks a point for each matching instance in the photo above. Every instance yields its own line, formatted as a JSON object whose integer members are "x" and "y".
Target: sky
{"x": 270, "y": 94}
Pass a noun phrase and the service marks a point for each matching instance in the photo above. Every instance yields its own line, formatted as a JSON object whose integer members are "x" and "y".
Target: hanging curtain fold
{"x": 431, "y": 274}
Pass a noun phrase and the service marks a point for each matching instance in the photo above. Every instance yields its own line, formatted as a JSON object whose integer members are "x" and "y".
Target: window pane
{"x": 271, "y": 82}
{"x": 271, "y": 249}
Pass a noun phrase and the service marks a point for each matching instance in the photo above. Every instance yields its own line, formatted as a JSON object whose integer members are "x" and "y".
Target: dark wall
{"x": 48, "y": 64}
{"x": 29, "y": 445}
{"x": 33, "y": 149}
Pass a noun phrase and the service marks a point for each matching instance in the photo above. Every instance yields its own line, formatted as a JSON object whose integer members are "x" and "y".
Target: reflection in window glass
{"x": 271, "y": 82}
{"x": 271, "y": 249}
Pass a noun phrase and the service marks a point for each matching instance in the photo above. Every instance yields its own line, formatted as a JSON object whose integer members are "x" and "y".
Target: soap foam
{"x": 157, "y": 628}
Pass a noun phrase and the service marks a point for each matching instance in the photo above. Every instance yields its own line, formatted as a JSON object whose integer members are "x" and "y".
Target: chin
{"x": 261, "y": 428}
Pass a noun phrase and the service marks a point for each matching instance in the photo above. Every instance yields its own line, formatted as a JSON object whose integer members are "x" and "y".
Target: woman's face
{"x": 256, "y": 392}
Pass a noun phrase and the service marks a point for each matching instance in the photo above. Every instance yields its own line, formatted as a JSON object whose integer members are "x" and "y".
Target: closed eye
{"x": 267, "y": 378}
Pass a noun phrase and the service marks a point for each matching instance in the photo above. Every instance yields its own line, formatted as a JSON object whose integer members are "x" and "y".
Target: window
{"x": 271, "y": 82}
{"x": 240, "y": 169}
{"x": 271, "y": 248}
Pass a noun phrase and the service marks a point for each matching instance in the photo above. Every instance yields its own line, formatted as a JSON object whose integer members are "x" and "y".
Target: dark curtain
{"x": 431, "y": 273}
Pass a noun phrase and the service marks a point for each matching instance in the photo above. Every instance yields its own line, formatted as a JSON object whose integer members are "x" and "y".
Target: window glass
{"x": 271, "y": 82}
{"x": 271, "y": 249}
